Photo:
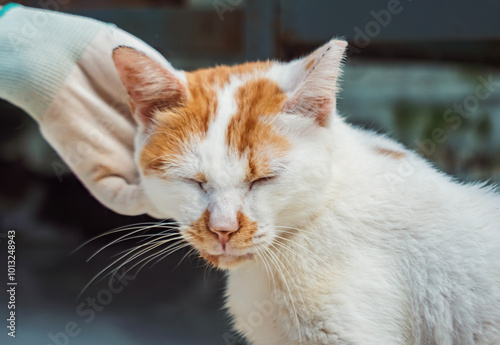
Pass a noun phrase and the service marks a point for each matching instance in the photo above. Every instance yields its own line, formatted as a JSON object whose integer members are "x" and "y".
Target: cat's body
{"x": 333, "y": 235}
{"x": 400, "y": 254}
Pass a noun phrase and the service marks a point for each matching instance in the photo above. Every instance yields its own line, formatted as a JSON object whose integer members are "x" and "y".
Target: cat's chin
{"x": 227, "y": 261}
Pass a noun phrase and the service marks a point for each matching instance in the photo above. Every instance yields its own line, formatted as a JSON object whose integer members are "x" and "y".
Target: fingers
{"x": 114, "y": 192}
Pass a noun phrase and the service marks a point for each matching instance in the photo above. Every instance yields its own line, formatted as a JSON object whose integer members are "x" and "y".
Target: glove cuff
{"x": 7, "y": 7}
{"x": 35, "y": 58}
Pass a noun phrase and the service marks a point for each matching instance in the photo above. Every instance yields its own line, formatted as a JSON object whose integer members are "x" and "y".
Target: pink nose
{"x": 224, "y": 233}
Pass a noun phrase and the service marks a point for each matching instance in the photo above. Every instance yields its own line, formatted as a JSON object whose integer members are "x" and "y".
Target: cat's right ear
{"x": 150, "y": 85}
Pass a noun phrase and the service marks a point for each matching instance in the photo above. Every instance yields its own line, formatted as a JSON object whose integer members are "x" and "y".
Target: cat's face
{"x": 237, "y": 155}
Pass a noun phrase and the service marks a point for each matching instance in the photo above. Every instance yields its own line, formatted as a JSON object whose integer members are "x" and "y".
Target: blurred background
{"x": 412, "y": 71}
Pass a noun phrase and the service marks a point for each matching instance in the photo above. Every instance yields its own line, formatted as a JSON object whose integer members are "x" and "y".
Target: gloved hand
{"x": 59, "y": 69}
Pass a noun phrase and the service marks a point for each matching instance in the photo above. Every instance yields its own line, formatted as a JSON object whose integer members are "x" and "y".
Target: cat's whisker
{"x": 167, "y": 231}
{"x": 160, "y": 237}
{"x": 119, "y": 229}
{"x": 170, "y": 251}
{"x": 264, "y": 263}
{"x": 154, "y": 243}
{"x": 297, "y": 230}
{"x": 208, "y": 267}
{"x": 294, "y": 234}
{"x": 154, "y": 255}
{"x": 129, "y": 252}
{"x": 294, "y": 252}
{"x": 307, "y": 235}
{"x": 294, "y": 228}
{"x": 120, "y": 238}
{"x": 174, "y": 247}
{"x": 132, "y": 256}
{"x": 298, "y": 280}
{"x": 276, "y": 249}
{"x": 312, "y": 241}
{"x": 207, "y": 271}
{"x": 185, "y": 256}
{"x": 113, "y": 272}
{"x": 309, "y": 252}
{"x": 263, "y": 258}
{"x": 285, "y": 281}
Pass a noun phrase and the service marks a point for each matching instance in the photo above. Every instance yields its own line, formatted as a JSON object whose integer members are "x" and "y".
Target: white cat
{"x": 331, "y": 234}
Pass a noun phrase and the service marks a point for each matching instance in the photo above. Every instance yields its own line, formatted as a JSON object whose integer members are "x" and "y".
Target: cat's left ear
{"x": 313, "y": 81}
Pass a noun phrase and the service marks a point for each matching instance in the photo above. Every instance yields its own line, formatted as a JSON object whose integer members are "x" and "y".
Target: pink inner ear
{"x": 319, "y": 109}
{"x": 149, "y": 84}
{"x": 315, "y": 95}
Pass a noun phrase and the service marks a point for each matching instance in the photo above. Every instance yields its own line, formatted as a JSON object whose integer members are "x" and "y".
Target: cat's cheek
{"x": 266, "y": 200}
{"x": 263, "y": 212}
{"x": 255, "y": 205}
{"x": 190, "y": 205}
{"x": 175, "y": 200}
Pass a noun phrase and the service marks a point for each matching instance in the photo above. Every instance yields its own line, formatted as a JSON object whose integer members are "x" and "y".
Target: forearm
{"x": 38, "y": 49}
{"x": 63, "y": 75}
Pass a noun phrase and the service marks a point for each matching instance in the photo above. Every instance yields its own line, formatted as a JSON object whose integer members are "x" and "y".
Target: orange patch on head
{"x": 249, "y": 132}
{"x": 200, "y": 236}
{"x": 176, "y": 126}
{"x": 391, "y": 153}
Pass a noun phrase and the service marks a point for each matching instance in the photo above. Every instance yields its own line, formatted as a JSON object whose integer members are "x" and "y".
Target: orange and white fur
{"x": 323, "y": 244}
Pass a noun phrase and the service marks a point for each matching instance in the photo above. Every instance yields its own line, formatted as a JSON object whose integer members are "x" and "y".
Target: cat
{"x": 323, "y": 239}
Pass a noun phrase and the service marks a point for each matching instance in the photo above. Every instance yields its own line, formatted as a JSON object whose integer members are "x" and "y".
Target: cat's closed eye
{"x": 200, "y": 184}
{"x": 261, "y": 180}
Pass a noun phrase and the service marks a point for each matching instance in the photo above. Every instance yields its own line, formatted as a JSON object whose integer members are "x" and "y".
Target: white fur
{"x": 413, "y": 263}
{"x": 366, "y": 248}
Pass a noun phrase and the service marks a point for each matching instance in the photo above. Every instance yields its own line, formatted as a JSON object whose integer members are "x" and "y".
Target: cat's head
{"x": 237, "y": 155}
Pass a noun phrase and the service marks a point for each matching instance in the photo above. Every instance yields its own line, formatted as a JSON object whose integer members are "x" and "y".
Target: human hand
{"x": 59, "y": 69}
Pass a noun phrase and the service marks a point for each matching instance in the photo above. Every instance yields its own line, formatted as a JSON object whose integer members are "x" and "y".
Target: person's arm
{"x": 59, "y": 69}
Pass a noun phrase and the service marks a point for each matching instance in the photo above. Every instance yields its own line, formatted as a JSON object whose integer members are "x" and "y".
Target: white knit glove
{"x": 59, "y": 69}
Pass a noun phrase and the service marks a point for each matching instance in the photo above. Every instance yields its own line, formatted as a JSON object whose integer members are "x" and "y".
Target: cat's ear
{"x": 313, "y": 82}
{"x": 150, "y": 85}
